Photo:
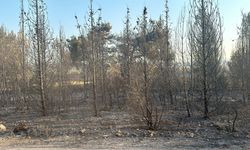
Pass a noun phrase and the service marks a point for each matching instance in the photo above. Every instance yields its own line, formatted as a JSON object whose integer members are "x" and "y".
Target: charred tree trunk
{"x": 93, "y": 59}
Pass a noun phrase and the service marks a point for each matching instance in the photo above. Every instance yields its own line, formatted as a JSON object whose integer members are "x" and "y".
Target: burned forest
{"x": 157, "y": 83}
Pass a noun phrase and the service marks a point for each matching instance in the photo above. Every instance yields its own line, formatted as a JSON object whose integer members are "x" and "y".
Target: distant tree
{"x": 24, "y": 86}
{"x": 84, "y": 52}
{"x": 148, "y": 102}
{"x": 146, "y": 72}
{"x": 240, "y": 60}
{"x": 102, "y": 35}
{"x": 10, "y": 70}
{"x": 39, "y": 32}
{"x": 205, "y": 38}
{"x": 62, "y": 65}
{"x": 181, "y": 47}
{"x": 168, "y": 57}
{"x": 126, "y": 54}
{"x": 74, "y": 45}
{"x": 93, "y": 57}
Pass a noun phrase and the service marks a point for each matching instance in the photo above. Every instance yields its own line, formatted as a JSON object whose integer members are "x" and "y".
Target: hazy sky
{"x": 62, "y": 12}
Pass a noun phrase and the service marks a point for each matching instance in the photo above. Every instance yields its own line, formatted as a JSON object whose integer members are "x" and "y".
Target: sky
{"x": 62, "y": 12}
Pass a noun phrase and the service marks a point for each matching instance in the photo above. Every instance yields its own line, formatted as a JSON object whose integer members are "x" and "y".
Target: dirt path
{"x": 129, "y": 143}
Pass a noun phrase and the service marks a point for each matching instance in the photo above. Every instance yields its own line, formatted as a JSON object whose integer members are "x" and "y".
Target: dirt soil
{"x": 115, "y": 129}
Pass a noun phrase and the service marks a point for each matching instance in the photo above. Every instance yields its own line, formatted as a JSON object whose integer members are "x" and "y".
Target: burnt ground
{"x": 116, "y": 129}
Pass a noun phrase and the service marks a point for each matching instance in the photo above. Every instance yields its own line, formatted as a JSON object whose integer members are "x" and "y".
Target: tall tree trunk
{"x": 204, "y": 63}
{"x": 243, "y": 67}
{"x": 24, "y": 82}
{"x": 167, "y": 61}
{"x": 40, "y": 68}
{"x": 93, "y": 59}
